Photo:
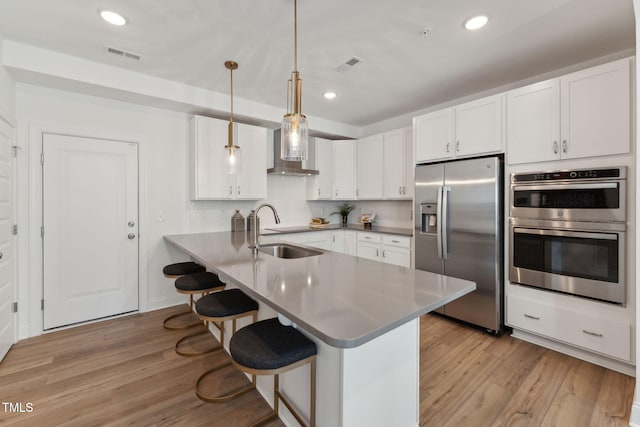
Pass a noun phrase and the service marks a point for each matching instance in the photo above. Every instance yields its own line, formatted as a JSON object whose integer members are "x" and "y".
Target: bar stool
{"x": 197, "y": 283}
{"x": 270, "y": 348}
{"x": 230, "y": 304}
{"x": 174, "y": 271}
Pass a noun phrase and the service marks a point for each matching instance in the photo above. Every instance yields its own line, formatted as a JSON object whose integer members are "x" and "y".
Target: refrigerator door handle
{"x": 444, "y": 228}
{"x": 439, "y": 223}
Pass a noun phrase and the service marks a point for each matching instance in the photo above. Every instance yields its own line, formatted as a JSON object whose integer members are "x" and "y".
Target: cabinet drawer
{"x": 399, "y": 241}
{"x": 369, "y": 237}
{"x": 599, "y": 334}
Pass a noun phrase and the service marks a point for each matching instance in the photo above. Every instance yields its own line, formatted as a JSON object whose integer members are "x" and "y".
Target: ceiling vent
{"x": 123, "y": 53}
{"x": 347, "y": 65}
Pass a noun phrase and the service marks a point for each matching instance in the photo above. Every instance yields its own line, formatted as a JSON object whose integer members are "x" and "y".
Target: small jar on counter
{"x": 237, "y": 221}
{"x": 250, "y": 219}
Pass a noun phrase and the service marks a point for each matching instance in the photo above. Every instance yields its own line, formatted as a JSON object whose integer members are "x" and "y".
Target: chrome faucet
{"x": 255, "y": 235}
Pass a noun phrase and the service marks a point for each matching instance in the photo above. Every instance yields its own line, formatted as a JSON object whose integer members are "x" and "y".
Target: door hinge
{"x": 42, "y": 231}
{"x": 14, "y": 307}
{"x": 42, "y": 304}
{"x": 42, "y": 158}
{"x": 14, "y": 229}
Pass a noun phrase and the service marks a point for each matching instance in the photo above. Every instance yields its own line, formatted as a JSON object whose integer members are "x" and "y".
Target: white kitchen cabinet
{"x": 369, "y": 246}
{"x": 369, "y": 169}
{"x": 336, "y": 162}
{"x": 583, "y": 114}
{"x": 344, "y": 164}
{"x": 320, "y": 187}
{"x": 209, "y": 177}
{"x": 397, "y": 165}
{"x": 343, "y": 241}
{"x": 582, "y": 329}
{"x": 434, "y": 135}
{"x": 396, "y": 250}
{"x": 469, "y": 129}
{"x": 387, "y": 248}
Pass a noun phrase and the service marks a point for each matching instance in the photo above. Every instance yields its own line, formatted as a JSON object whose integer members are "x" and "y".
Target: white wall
{"x": 7, "y": 92}
{"x": 165, "y": 207}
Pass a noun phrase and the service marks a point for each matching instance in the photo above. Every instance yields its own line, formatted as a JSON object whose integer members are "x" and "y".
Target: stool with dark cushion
{"x": 230, "y": 304}
{"x": 173, "y": 271}
{"x": 181, "y": 268}
{"x": 197, "y": 283}
{"x": 270, "y": 348}
{"x": 192, "y": 284}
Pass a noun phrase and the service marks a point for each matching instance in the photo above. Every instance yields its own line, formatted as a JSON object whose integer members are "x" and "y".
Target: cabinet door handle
{"x": 318, "y": 191}
{"x": 357, "y": 192}
{"x": 396, "y": 241}
{"x": 238, "y": 190}
{"x": 457, "y": 145}
{"x": 400, "y": 190}
{"x": 230, "y": 190}
{"x": 377, "y": 253}
{"x": 447, "y": 147}
{"x": 595, "y": 334}
{"x": 383, "y": 253}
{"x": 564, "y": 146}
{"x": 334, "y": 239}
{"x": 531, "y": 317}
{"x": 555, "y": 147}
{"x": 336, "y": 193}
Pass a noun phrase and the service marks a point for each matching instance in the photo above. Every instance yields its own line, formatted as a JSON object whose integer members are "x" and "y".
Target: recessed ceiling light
{"x": 112, "y": 17}
{"x": 329, "y": 95}
{"x": 476, "y": 22}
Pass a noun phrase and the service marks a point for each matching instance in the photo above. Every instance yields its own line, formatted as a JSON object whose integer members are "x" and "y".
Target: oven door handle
{"x": 574, "y": 186}
{"x": 565, "y": 233}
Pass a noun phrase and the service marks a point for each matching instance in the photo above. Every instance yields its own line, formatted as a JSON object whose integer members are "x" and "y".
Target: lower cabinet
{"x": 586, "y": 330}
{"x": 387, "y": 248}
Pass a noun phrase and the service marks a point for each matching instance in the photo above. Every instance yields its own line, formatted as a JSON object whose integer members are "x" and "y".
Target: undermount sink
{"x": 286, "y": 250}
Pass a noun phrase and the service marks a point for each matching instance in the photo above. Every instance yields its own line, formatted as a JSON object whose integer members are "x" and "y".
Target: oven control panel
{"x": 567, "y": 175}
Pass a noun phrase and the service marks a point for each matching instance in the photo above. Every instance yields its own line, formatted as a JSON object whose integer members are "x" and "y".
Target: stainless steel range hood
{"x": 284, "y": 167}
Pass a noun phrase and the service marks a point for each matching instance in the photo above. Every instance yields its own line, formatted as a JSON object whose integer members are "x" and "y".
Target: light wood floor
{"x": 124, "y": 372}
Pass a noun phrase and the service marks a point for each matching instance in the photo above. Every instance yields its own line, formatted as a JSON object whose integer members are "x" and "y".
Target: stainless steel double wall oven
{"x": 567, "y": 232}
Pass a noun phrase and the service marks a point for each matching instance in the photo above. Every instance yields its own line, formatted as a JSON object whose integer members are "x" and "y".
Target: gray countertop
{"x": 358, "y": 227}
{"x": 343, "y": 300}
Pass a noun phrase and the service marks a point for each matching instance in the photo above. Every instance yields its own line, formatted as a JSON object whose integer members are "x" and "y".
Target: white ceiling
{"x": 188, "y": 41}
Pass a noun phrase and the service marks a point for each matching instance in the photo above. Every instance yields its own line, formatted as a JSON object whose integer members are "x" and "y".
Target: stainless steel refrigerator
{"x": 458, "y": 221}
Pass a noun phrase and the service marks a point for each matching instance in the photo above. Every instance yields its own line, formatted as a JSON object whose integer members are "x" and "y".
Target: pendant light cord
{"x": 295, "y": 35}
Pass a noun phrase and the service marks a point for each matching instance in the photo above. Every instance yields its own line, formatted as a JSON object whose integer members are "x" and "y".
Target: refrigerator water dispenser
{"x": 428, "y": 214}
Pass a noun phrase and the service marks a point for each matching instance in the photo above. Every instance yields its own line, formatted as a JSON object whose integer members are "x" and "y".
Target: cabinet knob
{"x": 564, "y": 146}
{"x": 457, "y": 145}
{"x": 555, "y": 147}
{"x": 448, "y": 147}
{"x": 131, "y": 236}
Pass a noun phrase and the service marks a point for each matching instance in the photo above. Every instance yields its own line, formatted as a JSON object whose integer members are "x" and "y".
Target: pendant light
{"x": 294, "y": 129}
{"x": 232, "y": 151}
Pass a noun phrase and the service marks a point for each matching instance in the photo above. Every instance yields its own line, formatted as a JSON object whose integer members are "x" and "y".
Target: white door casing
{"x": 7, "y": 283}
{"x": 90, "y": 229}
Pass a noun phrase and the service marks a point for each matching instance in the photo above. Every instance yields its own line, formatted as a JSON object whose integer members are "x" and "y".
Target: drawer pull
{"x": 396, "y": 241}
{"x": 595, "y": 334}
{"x": 531, "y": 317}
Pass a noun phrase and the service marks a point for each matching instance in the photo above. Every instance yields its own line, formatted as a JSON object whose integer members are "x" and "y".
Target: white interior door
{"x": 7, "y": 286}
{"x": 90, "y": 228}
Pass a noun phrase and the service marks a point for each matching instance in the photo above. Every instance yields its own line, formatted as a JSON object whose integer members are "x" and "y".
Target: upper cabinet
{"x": 209, "y": 177}
{"x": 397, "y": 170}
{"x": 336, "y": 163}
{"x": 583, "y": 114}
{"x": 470, "y": 129}
{"x": 344, "y": 165}
{"x": 369, "y": 155}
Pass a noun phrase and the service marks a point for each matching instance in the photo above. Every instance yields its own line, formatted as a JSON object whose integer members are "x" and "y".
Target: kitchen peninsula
{"x": 362, "y": 314}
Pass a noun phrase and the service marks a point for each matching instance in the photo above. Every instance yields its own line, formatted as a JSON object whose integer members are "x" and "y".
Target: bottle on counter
{"x": 250, "y": 219}
{"x": 237, "y": 221}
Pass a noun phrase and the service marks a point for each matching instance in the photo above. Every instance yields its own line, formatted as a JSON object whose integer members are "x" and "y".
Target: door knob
{"x": 131, "y": 236}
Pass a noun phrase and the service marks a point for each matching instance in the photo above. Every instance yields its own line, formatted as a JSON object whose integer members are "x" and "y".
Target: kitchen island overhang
{"x": 362, "y": 314}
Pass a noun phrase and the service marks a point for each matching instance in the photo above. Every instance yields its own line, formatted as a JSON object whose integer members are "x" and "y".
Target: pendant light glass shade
{"x": 294, "y": 139}
{"x": 232, "y": 151}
